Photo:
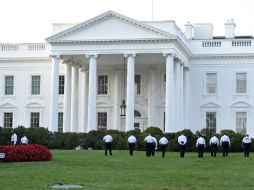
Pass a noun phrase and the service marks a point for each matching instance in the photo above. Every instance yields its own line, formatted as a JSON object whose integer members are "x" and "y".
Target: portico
{"x": 89, "y": 52}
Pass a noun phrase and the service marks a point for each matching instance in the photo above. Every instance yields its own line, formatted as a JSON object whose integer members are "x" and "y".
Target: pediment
{"x": 210, "y": 105}
{"x": 7, "y": 105}
{"x": 109, "y": 26}
{"x": 241, "y": 104}
{"x": 34, "y": 105}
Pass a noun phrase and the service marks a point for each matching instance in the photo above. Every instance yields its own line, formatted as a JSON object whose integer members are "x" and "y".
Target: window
{"x": 241, "y": 122}
{"x": 61, "y": 84}
{"x": 211, "y": 83}
{"x": 136, "y": 125}
{"x": 8, "y": 119}
{"x": 102, "y": 120}
{"x": 211, "y": 121}
{"x": 9, "y": 85}
{"x": 60, "y": 121}
{"x": 36, "y": 85}
{"x": 241, "y": 83}
{"x": 137, "y": 113}
{"x": 103, "y": 84}
{"x": 35, "y": 119}
{"x": 137, "y": 84}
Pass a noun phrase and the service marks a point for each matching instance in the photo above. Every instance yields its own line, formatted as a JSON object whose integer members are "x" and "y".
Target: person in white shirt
{"x": 246, "y": 145}
{"x": 132, "y": 142}
{"x": 108, "y": 144}
{"x": 214, "y": 143}
{"x": 163, "y": 145}
{"x": 24, "y": 140}
{"x": 154, "y": 146}
{"x": 14, "y": 138}
{"x": 149, "y": 144}
{"x": 225, "y": 143}
{"x": 182, "y": 140}
{"x": 200, "y": 144}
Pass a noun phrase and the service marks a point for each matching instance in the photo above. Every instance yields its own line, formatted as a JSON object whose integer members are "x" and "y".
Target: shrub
{"x": 23, "y": 153}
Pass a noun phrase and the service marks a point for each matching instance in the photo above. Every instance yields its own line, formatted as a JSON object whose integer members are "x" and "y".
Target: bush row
{"x": 93, "y": 139}
{"x": 24, "y": 153}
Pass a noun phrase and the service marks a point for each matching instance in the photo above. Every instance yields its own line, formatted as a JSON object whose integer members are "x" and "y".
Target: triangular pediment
{"x": 34, "y": 105}
{"x": 109, "y": 26}
{"x": 210, "y": 105}
{"x": 241, "y": 104}
{"x": 7, "y": 105}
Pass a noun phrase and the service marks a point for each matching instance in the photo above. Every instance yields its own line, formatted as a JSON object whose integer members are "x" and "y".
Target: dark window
{"x": 102, "y": 120}
{"x": 35, "y": 119}
{"x": 60, "y": 121}
{"x": 8, "y": 119}
{"x": 103, "y": 84}
{"x": 61, "y": 84}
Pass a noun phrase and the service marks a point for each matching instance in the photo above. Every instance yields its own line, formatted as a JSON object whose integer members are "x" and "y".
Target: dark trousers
{"x": 201, "y": 148}
{"x": 182, "y": 150}
{"x": 149, "y": 147}
{"x": 163, "y": 149}
{"x": 108, "y": 148}
{"x": 246, "y": 149}
{"x": 213, "y": 150}
{"x": 131, "y": 148}
{"x": 225, "y": 148}
{"x": 153, "y": 149}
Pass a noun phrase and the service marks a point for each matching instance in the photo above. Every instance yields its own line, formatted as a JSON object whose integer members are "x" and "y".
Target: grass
{"x": 120, "y": 171}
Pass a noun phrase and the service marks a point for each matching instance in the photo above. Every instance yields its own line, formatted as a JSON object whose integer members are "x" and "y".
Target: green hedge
{"x": 93, "y": 139}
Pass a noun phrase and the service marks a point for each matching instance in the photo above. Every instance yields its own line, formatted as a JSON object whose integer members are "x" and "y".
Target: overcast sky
{"x": 30, "y": 20}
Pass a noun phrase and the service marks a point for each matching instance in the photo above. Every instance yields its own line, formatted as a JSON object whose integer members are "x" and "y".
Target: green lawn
{"x": 120, "y": 171}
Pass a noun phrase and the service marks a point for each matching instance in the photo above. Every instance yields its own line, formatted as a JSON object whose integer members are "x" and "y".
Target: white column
{"x": 67, "y": 99}
{"x": 169, "y": 102}
{"x": 74, "y": 98}
{"x": 151, "y": 99}
{"x": 117, "y": 100}
{"x": 84, "y": 97}
{"x": 181, "y": 99}
{"x": 54, "y": 94}
{"x": 130, "y": 92}
{"x": 177, "y": 95}
{"x": 186, "y": 97}
{"x": 92, "y": 123}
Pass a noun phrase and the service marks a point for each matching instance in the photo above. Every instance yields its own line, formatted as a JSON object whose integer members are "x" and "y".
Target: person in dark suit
{"x": 182, "y": 140}
{"x": 108, "y": 144}
{"x": 131, "y": 142}
{"x": 246, "y": 145}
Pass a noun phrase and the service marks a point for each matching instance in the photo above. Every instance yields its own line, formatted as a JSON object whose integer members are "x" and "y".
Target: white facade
{"x": 170, "y": 79}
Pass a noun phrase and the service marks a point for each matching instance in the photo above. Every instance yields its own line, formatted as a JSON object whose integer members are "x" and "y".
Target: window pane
{"x": 8, "y": 119}
{"x": 61, "y": 84}
{"x": 241, "y": 82}
{"x": 60, "y": 122}
{"x": 211, "y": 121}
{"x": 211, "y": 83}
{"x": 103, "y": 84}
{"x": 36, "y": 81}
{"x": 35, "y": 119}
{"x": 9, "y": 85}
{"x": 137, "y": 84}
{"x": 241, "y": 122}
{"x": 102, "y": 120}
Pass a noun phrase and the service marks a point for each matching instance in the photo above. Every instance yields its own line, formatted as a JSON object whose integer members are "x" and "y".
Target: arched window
{"x": 137, "y": 113}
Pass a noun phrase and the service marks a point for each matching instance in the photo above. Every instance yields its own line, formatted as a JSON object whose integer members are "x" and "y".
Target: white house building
{"x": 169, "y": 79}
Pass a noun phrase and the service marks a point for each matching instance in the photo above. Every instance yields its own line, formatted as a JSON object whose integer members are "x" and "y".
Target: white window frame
{"x": 215, "y": 118}
{"x": 36, "y": 95}
{"x": 9, "y": 95}
{"x": 97, "y": 124}
{"x": 108, "y": 84}
{"x": 12, "y": 119}
{"x": 235, "y": 83}
{"x": 241, "y": 111}
{"x": 30, "y": 118}
{"x": 205, "y": 84}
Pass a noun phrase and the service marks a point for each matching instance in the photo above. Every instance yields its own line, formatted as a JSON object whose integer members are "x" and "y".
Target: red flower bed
{"x": 24, "y": 153}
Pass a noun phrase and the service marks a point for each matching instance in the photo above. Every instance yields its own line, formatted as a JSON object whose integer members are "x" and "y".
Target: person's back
{"x": 24, "y": 140}
{"x": 225, "y": 143}
{"x": 214, "y": 143}
{"x": 14, "y": 138}
{"x": 246, "y": 145}
{"x": 200, "y": 144}
{"x": 131, "y": 142}
{"x": 182, "y": 140}
{"x": 108, "y": 140}
{"x": 163, "y": 145}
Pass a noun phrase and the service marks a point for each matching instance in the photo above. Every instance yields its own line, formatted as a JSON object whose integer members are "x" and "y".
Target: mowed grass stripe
{"x": 121, "y": 171}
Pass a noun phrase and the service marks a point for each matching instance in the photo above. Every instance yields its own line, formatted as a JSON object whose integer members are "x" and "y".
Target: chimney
{"x": 230, "y": 29}
{"x": 188, "y": 30}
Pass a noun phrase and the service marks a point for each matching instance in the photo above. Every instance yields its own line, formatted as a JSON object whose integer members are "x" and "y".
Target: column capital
{"x": 94, "y": 55}
{"x": 54, "y": 56}
{"x": 130, "y": 55}
{"x": 84, "y": 69}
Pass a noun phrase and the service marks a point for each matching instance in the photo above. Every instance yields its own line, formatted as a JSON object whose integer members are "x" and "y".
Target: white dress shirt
{"x": 225, "y": 138}
{"x": 24, "y": 140}
{"x": 181, "y": 139}
{"x": 201, "y": 141}
{"x": 155, "y": 141}
{"x": 214, "y": 140}
{"x": 163, "y": 141}
{"x": 149, "y": 139}
{"x": 132, "y": 139}
{"x": 247, "y": 140}
{"x": 107, "y": 139}
{"x": 14, "y": 138}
